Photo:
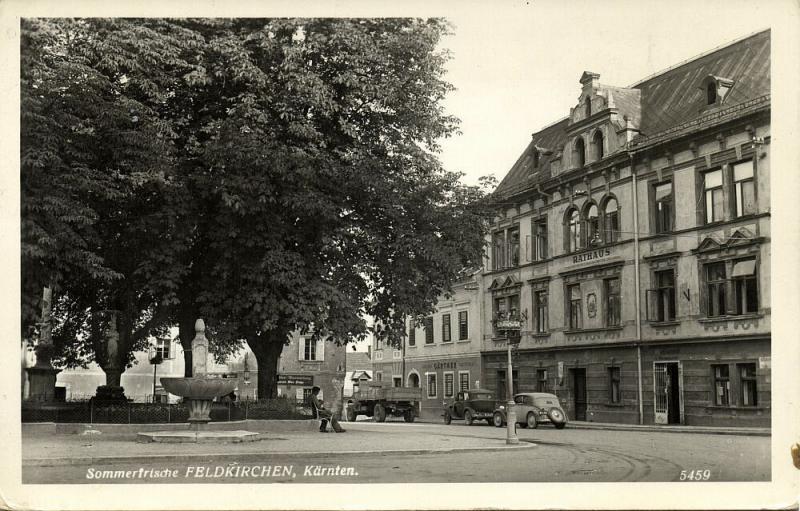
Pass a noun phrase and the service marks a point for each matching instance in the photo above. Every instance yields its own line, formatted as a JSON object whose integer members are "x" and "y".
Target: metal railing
{"x": 152, "y": 413}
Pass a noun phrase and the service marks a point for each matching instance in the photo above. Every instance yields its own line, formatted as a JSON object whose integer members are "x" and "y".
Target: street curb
{"x": 252, "y": 456}
{"x": 711, "y": 431}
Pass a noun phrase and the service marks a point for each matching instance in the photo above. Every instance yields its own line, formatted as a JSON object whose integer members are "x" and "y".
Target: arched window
{"x": 711, "y": 92}
{"x": 535, "y": 159}
{"x": 580, "y": 152}
{"x": 611, "y": 221}
{"x": 592, "y": 220}
{"x": 573, "y": 231}
{"x": 597, "y": 143}
{"x": 588, "y": 107}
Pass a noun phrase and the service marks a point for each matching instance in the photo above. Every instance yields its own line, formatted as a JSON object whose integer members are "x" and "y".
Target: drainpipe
{"x": 638, "y": 286}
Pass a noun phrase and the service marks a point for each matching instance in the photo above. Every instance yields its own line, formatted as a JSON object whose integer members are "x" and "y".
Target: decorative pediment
{"x": 741, "y": 237}
{"x": 503, "y": 283}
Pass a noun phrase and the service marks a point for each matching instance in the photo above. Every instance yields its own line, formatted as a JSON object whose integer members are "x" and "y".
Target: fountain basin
{"x": 198, "y": 388}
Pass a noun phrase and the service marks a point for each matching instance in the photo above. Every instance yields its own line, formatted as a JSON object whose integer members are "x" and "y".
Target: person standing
{"x": 324, "y": 414}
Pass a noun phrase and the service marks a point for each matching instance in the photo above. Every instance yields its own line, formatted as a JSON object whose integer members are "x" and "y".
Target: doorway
{"x": 579, "y": 392}
{"x": 668, "y": 390}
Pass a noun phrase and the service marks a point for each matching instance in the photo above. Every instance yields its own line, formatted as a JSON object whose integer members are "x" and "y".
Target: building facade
{"x": 631, "y": 249}
{"x": 306, "y": 363}
{"x": 441, "y": 352}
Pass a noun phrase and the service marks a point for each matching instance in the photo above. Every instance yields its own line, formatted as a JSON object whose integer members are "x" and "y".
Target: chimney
{"x": 589, "y": 80}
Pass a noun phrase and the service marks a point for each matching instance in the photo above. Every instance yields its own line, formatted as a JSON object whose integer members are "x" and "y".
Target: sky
{"x": 516, "y": 65}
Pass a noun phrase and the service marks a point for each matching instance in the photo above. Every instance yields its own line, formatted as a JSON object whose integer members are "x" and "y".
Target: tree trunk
{"x": 267, "y": 348}
{"x": 186, "y": 334}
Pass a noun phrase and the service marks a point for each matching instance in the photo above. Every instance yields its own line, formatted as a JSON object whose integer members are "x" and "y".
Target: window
{"x": 588, "y": 107}
{"x": 446, "y": 328}
{"x": 428, "y": 326}
{"x": 580, "y": 152}
{"x": 713, "y": 198}
{"x": 592, "y": 226}
{"x": 499, "y": 250}
{"x": 463, "y": 380}
{"x": 163, "y": 348}
{"x": 540, "y": 306}
{"x": 412, "y": 333}
{"x": 540, "y": 239}
{"x": 742, "y": 287}
{"x": 431, "y": 378}
{"x": 597, "y": 143}
{"x": 541, "y": 380}
{"x": 711, "y": 93}
{"x": 448, "y": 385}
{"x": 613, "y": 302}
{"x": 505, "y": 248}
{"x": 744, "y": 189}
{"x": 573, "y": 231}
{"x": 663, "y": 207}
{"x": 379, "y": 376}
{"x": 611, "y": 221}
{"x": 575, "y": 316}
{"x": 613, "y": 385}
{"x": 745, "y": 287}
{"x": 747, "y": 384}
{"x": 397, "y": 381}
{"x": 661, "y": 299}
{"x": 722, "y": 385}
{"x": 513, "y": 246}
{"x": 506, "y": 307}
{"x": 310, "y": 349}
{"x": 715, "y": 289}
{"x": 463, "y": 326}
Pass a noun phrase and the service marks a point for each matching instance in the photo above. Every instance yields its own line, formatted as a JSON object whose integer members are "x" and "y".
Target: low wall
{"x": 274, "y": 426}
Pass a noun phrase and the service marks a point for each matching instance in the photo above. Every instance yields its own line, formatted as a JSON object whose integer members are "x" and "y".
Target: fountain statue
{"x": 199, "y": 390}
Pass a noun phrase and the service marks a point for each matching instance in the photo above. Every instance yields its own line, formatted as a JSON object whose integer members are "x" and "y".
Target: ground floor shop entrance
{"x": 578, "y": 377}
{"x": 668, "y": 392}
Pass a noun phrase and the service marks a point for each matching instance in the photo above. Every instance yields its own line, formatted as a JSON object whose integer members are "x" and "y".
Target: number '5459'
{"x": 695, "y": 475}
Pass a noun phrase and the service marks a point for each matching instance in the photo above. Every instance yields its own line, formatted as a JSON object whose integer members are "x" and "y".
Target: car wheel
{"x": 497, "y": 419}
{"x": 447, "y": 418}
{"x": 531, "y": 420}
{"x": 408, "y": 416}
{"x": 556, "y": 416}
{"x": 468, "y": 417}
{"x": 379, "y": 413}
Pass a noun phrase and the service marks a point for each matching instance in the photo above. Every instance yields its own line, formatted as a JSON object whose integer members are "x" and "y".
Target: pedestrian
{"x": 324, "y": 414}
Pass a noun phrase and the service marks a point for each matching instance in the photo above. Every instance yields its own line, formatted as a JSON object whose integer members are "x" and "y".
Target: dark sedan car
{"x": 471, "y": 405}
{"x": 532, "y": 409}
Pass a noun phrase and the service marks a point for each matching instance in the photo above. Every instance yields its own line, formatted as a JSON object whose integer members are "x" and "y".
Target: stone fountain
{"x": 199, "y": 391}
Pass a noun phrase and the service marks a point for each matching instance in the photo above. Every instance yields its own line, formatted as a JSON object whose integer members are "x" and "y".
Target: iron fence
{"x": 153, "y": 413}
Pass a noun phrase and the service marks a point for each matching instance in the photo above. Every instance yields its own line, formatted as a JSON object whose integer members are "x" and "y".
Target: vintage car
{"x": 471, "y": 405}
{"x": 532, "y": 409}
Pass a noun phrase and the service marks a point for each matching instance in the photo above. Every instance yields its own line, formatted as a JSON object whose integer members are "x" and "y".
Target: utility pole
{"x": 511, "y": 413}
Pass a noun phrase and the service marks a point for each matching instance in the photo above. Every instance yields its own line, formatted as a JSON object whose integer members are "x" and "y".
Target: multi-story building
{"x": 441, "y": 352}
{"x": 632, "y": 249}
{"x": 306, "y": 363}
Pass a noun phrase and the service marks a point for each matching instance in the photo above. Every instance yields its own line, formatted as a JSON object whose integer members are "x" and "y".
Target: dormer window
{"x": 597, "y": 143}
{"x": 716, "y": 88}
{"x": 536, "y": 158}
{"x": 588, "y": 107}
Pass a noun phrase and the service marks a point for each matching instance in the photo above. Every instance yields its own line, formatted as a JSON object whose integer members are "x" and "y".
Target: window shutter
{"x": 302, "y": 344}
{"x": 528, "y": 248}
{"x": 321, "y": 350}
{"x": 652, "y": 304}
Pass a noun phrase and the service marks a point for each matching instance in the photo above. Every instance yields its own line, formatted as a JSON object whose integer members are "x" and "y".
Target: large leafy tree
{"x": 97, "y": 181}
{"x": 269, "y": 175}
{"x": 329, "y": 204}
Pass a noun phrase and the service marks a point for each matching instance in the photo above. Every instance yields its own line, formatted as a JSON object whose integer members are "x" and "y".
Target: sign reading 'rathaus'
{"x": 592, "y": 254}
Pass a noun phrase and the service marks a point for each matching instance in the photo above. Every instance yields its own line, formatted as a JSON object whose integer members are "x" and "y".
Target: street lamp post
{"x": 511, "y": 413}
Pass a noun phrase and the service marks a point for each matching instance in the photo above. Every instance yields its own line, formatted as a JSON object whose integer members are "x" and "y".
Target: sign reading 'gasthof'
{"x": 593, "y": 254}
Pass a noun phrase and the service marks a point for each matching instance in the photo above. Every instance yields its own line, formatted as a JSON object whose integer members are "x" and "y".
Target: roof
{"x": 668, "y": 100}
{"x": 358, "y": 361}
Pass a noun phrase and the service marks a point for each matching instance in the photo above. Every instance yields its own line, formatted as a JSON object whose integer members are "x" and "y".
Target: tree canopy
{"x": 271, "y": 175}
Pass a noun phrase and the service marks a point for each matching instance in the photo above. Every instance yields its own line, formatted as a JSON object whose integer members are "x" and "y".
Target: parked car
{"x": 532, "y": 409}
{"x": 471, "y": 405}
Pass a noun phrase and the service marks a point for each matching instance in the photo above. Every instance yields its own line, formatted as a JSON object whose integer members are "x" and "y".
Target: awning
{"x": 744, "y": 268}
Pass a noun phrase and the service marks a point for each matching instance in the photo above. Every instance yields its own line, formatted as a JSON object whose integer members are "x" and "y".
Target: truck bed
{"x": 386, "y": 393}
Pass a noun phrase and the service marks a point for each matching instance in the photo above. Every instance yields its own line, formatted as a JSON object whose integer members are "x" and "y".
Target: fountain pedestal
{"x": 199, "y": 391}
